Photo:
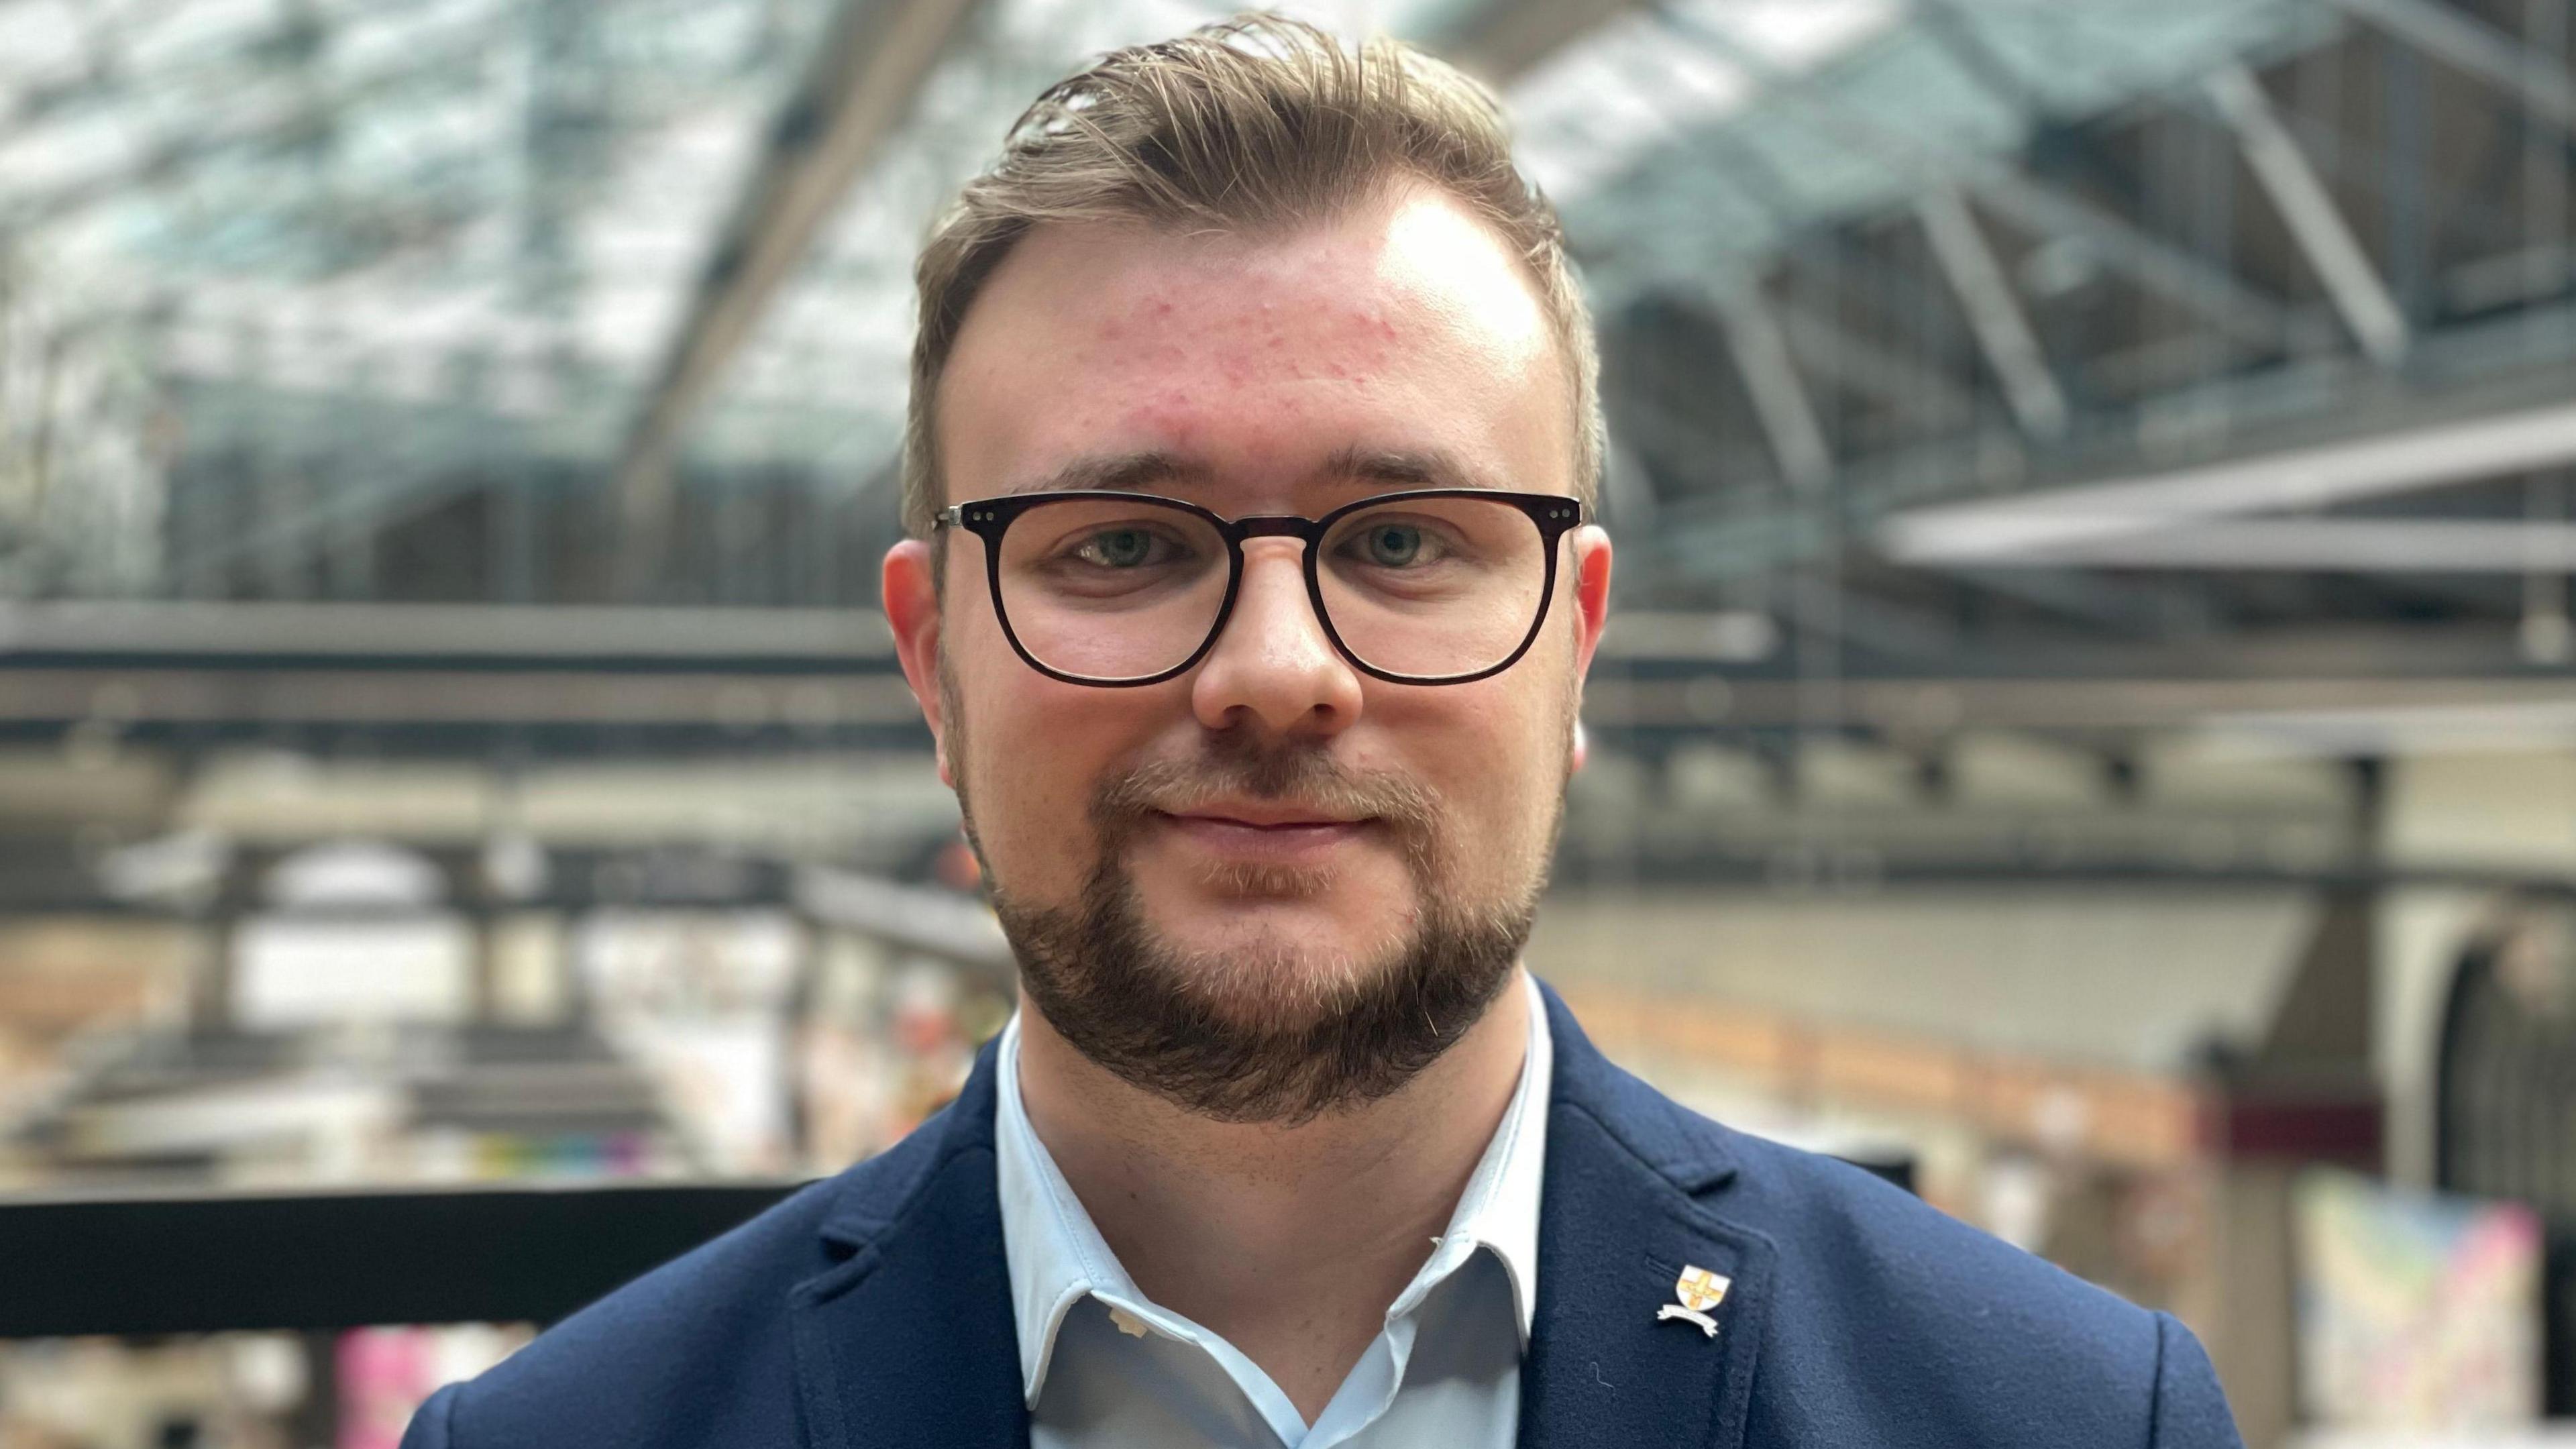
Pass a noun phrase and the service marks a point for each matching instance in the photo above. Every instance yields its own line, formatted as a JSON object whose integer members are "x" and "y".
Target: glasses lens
{"x": 1434, "y": 587}
{"x": 1111, "y": 588}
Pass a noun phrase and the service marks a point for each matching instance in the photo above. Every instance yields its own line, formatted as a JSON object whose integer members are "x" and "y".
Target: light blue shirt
{"x": 1103, "y": 1365}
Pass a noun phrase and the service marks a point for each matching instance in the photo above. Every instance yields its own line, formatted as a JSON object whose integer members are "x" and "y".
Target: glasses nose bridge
{"x": 1283, "y": 525}
{"x": 1290, "y": 526}
{"x": 1286, "y": 525}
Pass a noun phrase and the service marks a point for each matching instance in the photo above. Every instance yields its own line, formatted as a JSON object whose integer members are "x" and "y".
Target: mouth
{"x": 1266, "y": 831}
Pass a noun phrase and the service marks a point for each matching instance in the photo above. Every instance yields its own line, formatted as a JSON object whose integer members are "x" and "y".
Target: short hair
{"x": 1251, "y": 124}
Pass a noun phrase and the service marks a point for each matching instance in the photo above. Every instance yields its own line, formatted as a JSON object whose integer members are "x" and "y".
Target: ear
{"x": 1591, "y": 593}
{"x": 1591, "y": 617}
{"x": 912, "y": 612}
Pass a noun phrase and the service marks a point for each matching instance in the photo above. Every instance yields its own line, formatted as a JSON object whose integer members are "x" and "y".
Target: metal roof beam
{"x": 870, "y": 66}
{"x": 1820, "y": 604}
{"x": 2150, "y": 261}
{"x": 388, "y": 498}
{"x": 1780, "y": 399}
{"x": 1683, "y": 449}
{"x": 1880, "y": 373}
{"x": 1995, "y": 315}
{"x": 175, "y": 152}
{"x": 2315, "y": 545}
{"x": 2471, "y": 45}
{"x": 2086, "y": 521}
{"x": 1886, "y": 375}
{"x": 2123, "y": 608}
{"x": 2360, "y": 295}
{"x": 1502, "y": 40}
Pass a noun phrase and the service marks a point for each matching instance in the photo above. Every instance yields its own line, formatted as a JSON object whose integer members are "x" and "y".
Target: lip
{"x": 1276, "y": 836}
{"x": 1262, "y": 815}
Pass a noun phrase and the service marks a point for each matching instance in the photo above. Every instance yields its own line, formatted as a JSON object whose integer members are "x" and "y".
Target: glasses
{"x": 1436, "y": 586}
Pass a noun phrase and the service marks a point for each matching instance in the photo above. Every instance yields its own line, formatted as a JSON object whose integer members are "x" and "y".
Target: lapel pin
{"x": 1699, "y": 1291}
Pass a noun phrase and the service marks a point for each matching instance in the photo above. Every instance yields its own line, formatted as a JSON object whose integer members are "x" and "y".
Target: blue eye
{"x": 1119, "y": 548}
{"x": 1392, "y": 545}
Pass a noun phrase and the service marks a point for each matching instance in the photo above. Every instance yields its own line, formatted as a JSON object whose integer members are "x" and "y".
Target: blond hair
{"x": 1252, "y": 124}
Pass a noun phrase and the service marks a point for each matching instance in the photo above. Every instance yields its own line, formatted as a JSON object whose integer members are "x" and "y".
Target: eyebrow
{"x": 1148, "y": 468}
{"x": 1121, "y": 473}
{"x": 1410, "y": 467}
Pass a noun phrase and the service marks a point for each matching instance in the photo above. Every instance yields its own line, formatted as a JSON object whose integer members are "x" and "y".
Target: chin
{"x": 1179, "y": 886}
{"x": 1276, "y": 966}
{"x": 1324, "y": 913}
{"x": 1262, "y": 995}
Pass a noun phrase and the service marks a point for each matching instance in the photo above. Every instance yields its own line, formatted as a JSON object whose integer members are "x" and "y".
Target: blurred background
{"x": 2089, "y": 729}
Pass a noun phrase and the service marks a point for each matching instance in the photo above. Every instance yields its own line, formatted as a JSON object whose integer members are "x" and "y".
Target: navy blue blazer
{"x": 873, "y": 1311}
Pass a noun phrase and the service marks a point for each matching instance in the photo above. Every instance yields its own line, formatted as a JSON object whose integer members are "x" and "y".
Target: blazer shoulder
{"x": 1869, "y": 1234}
{"x": 1859, "y": 1256}
{"x": 1934, "y": 1332}
{"x": 695, "y": 1351}
{"x": 1887, "y": 1322}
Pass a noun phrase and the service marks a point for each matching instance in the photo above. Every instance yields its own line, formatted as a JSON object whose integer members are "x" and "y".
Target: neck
{"x": 1289, "y": 1241}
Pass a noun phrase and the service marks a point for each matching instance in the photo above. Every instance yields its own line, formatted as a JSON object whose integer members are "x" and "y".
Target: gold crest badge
{"x": 1699, "y": 1291}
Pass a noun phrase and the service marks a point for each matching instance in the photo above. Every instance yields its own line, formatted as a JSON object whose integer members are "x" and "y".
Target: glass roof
{"x": 484, "y": 219}
{"x": 1883, "y": 112}
{"x": 291, "y": 190}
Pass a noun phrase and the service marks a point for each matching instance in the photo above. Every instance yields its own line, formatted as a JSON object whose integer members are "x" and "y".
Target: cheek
{"x": 1495, "y": 753}
{"x": 1034, "y": 750}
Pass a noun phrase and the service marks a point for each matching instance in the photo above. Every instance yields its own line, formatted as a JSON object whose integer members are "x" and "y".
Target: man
{"x": 1253, "y": 433}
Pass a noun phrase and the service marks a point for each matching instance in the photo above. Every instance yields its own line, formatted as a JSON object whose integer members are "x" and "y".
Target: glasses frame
{"x": 989, "y": 518}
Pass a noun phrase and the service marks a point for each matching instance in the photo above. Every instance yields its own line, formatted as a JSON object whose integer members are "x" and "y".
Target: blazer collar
{"x": 908, "y": 1339}
{"x": 1056, "y": 1256}
{"x": 1625, "y": 1213}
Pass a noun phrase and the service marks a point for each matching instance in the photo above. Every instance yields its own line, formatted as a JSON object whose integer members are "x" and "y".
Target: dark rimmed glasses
{"x": 1433, "y": 586}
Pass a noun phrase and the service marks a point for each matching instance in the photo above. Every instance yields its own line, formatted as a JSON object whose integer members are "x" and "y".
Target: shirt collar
{"x": 1057, "y": 1257}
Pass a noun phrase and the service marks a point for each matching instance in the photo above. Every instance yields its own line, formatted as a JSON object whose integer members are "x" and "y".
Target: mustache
{"x": 1306, "y": 774}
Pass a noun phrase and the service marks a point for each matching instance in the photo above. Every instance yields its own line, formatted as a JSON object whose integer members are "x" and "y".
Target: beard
{"x": 1263, "y": 1033}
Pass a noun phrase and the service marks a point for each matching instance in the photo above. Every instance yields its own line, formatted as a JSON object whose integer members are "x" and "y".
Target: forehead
{"x": 1403, "y": 328}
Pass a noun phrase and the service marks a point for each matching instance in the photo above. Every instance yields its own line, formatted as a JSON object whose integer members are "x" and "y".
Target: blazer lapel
{"x": 1621, "y": 1218}
{"x": 909, "y": 1339}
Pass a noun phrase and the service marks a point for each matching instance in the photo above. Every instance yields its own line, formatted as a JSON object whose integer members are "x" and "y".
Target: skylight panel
{"x": 392, "y": 141}
{"x": 1071, "y": 30}
{"x": 39, "y": 45}
{"x": 40, "y": 160}
{"x": 1602, "y": 104}
{"x": 1592, "y": 110}
{"x": 191, "y": 29}
{"x": 1797, "y": 34}
{"x": 627, "y": 321}
{"x": 366, "y": 39}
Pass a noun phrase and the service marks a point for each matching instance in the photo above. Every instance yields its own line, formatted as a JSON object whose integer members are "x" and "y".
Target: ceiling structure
{"x": 2193, "y": 340}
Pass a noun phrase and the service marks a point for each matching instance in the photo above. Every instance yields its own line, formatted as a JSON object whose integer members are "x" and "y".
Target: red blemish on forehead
{"x": 1169, "y": 413}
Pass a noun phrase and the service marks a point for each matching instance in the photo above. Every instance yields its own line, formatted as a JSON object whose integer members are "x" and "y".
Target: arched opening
{"x": 2506, "y": 1096}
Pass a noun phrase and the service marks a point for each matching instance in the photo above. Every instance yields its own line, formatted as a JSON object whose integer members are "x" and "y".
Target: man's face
{"x": 1276, "y": 830}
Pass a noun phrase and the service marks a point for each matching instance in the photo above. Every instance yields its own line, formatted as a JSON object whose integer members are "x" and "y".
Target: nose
{"x": 1274, "y": 667}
